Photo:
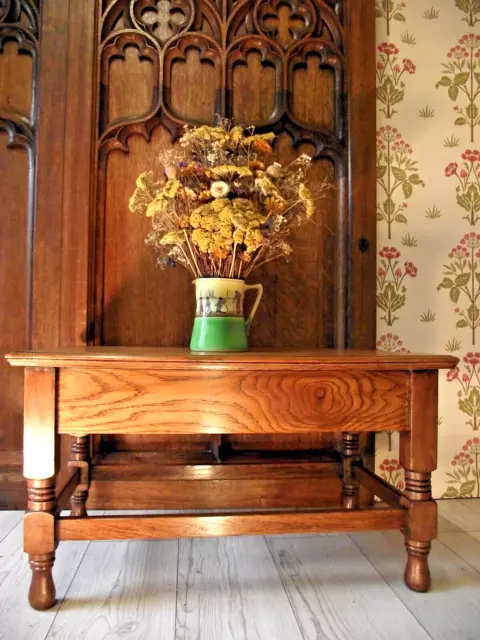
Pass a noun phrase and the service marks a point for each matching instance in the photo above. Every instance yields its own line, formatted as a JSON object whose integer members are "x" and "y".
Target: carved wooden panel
{"x": 164, "y": 64}
{"x": 19, "y": 30}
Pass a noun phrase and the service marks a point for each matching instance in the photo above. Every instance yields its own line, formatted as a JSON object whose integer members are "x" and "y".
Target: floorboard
{"x": 457, "y": 513}
{"x": 471, "y": 504}
{"x": 229, "y": 589}
{"x": 450, "y": 610}
{"x": 8, "y": 521}
{"x": 123, "y": 590}
{"x": 329, "y": 587}
{"x": 337, "y": 594}
{"x": 464, "y": 545}
{"x": 18, "y": 620}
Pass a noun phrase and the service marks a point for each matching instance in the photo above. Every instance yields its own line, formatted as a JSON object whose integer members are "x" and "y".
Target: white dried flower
{"x": 219, "y": 189}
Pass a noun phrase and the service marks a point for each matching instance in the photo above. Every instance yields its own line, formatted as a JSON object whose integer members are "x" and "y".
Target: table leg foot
{"x": 417, "y": 573}
{"x": 41, "y": 594}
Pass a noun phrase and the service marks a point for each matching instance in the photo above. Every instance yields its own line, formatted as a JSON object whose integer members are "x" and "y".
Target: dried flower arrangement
{"x": 219, "y": 208}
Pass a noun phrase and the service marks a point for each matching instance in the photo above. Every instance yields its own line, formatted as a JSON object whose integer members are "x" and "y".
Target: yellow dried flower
{"x": 230, "y": 170}
{"x": 236, "y": 134}
{"x": 196, "y": 219}
{"x": 305, "y": 196}
{"x": 238, "y": 236}
{"x": 173, "y": 237}
{"x": 253, "y": 239}
{"x": 202, "y": 239}
{"x": 147, "y": 188}
{"x": 219, "y": 204}
{"x": 260, "y": 137}
{"x": 171, "y": 188}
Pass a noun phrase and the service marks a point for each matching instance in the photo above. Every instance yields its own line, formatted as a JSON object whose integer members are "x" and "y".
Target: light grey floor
{"x": 335, "y": 587}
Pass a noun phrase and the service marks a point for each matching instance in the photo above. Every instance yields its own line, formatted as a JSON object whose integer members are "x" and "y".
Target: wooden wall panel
{"x": 118, "y": 80}
{"x": 19, "y": 25}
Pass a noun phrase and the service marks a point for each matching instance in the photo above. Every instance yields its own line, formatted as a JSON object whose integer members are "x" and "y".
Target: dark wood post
{"x": 351, "y": 454}
{"x": 80, "y": 459}
{"x": 418, "y": 456}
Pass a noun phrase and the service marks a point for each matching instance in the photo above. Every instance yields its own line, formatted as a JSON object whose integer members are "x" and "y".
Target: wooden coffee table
{"x": 102, "y": 390}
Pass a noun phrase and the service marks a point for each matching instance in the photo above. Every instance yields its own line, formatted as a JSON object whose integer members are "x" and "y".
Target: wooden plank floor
{"x": 333, "y": 587}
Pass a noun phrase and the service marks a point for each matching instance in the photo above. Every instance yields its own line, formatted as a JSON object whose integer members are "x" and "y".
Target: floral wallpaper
{"x": 428, "y": 216}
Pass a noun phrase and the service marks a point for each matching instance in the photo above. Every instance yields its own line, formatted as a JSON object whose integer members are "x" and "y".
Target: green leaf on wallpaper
{"x": 444, "y": 82}
{"x": 462, "y": 279}
{"x": 454, "y": 294}
{"x": 462, "y": 78}
{"x": 451, "y": 492}
{"x": 477, "y": 77}
{"x": 407, "y": 189}
{"x": 399, "y": 174}
{"x": 462, "y": 324}
{"x": 472, "y": 313}
{"x": 453, "y": 91}
{"x": 415, "y": 179}
{"x": 467, "y": 487}
{"x": 477, "y": 277}
{"x": 399, "y": 17}
{"x": 381, "y": 171}
{"x": 446, "y": 283}
{"x": 380, "y": 217}
{"x": 389, "y": 207}
{"x": 378, "y": 13}
{"x": 460, "y": 121}
{"x": 401, "y": 218}
{"x": 472, "y": 110}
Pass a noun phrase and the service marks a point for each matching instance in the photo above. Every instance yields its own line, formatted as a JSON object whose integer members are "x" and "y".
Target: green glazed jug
{"x": 219, "y": 323}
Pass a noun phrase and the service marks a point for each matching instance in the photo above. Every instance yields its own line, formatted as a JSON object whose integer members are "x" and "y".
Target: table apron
{"x": 137, "y": 401}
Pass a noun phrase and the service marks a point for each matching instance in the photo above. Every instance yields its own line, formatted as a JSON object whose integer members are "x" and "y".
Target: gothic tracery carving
{"x": 225, "y": 32}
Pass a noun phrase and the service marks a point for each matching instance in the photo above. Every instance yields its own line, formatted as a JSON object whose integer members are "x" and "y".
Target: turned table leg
{"x": 80, "y": 458}
{"x": 39, "y": 469}
{"x": 351, "y": 454}
{"x": 418, "y": 455}
{"x": 40, "y": 542}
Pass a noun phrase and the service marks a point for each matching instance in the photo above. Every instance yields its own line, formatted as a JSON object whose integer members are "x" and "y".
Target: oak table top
{"x": 183, "y": 358}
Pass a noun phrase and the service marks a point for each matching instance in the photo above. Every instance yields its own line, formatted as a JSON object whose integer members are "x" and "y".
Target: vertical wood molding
{"x": 360, "y": 55}
{"x": 78, "y": 171}
{"x": 52, "y": 86}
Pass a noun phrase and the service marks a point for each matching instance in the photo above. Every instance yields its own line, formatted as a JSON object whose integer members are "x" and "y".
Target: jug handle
{"x": 259, "y": 289}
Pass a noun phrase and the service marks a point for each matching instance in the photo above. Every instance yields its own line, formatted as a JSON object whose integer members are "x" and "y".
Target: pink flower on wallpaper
{"x": 409, "y": 66}
{"x": 391, "y": 343}
{"x": 464, "y": 478}
{"x": 462, "y": 280}
{"x": 411, "y": 269}
{"x": 391, "y": 291}
{"x": 390, "y": 73}
{"x": 461, "y": 78}
{"x": 392, "y": 472}
{"x": 451, "y": 169}
{"x": 397, "y": 174}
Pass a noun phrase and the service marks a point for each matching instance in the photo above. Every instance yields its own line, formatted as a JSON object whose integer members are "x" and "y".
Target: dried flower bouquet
{"x": 219, "y": 207}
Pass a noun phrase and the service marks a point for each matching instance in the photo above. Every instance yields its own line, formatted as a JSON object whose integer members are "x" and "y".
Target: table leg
{"x": 40, "y": 542}
{"x": 418, "y": 456}
{"x": 80, "y": 458}
{"x": 39, "y": 470}
{"x": 351, "y": 453}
